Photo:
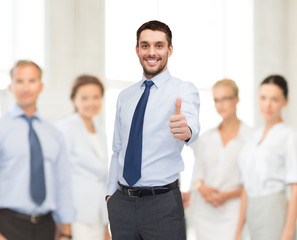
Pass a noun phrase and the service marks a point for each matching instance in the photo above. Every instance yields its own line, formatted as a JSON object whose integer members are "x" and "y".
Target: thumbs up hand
{"x": 178, "y": 123}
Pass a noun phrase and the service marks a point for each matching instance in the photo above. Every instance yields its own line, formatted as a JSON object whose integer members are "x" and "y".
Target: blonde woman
{"x": 87, "y": 148}
{"x": 268, "y": 162}
{"x": 216, "y": 199}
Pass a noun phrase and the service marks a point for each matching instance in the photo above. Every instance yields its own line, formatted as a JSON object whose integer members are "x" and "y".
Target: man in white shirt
{"x": 155, "y": 118}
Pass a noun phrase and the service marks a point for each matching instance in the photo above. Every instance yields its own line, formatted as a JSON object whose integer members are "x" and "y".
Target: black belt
{"x": 34, "y": 218}
{"x": 147, "y": 191}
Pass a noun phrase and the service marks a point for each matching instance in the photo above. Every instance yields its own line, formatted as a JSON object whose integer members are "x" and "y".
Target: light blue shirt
{"x": 15, "y": 167}
{"x": 161, "y": 152}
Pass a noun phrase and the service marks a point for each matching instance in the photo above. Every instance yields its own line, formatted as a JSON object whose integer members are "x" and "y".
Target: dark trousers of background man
{"x": 16, "y": 226}
{"x": 155, "y": 217}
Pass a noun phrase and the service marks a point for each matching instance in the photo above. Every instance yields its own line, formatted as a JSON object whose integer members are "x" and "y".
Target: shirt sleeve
{"x": 198, "y": 164}
{"x": 64, "y": 213}
{"x": 116, "y": 147}
{"x": 190, "y": 108}
{"x": 291, "y": 158}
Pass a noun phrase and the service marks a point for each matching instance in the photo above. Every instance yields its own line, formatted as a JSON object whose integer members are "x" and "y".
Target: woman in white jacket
{"x": 87, "y": 148}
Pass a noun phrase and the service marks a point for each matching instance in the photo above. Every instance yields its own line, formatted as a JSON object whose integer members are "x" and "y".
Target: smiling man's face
{"x": 153, "y": 52}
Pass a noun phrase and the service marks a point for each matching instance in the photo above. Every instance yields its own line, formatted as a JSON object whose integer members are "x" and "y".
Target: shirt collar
{"x": 158, "y": 80}
{"x": 16, "y": 111}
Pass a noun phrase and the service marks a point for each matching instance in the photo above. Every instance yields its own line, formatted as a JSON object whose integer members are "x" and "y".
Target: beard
{"x": 150, "y": 73}
{"x": 153, "y": 73}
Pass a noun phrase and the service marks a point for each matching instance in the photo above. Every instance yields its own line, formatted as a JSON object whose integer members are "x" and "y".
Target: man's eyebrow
{"x": 158, "y": 42}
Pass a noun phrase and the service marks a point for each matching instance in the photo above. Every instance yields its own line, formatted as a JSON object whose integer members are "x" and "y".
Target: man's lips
{"x": 26, "y": 95}
{"x": 152, "y": 62}
{"x": 267, "y": 112}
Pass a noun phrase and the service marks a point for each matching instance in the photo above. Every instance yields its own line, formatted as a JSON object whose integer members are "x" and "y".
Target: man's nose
{"x": 26, "y": 86}
{"x": 152, "y": 51}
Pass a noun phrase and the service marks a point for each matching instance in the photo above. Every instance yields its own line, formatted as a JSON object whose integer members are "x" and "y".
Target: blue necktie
{"x": 133, "y": 157}
{"x": 37, "y": 180}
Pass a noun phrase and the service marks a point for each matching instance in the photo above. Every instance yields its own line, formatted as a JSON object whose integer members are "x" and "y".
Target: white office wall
{"x": 276, "y": 49}
{"x": 291, "y": 59}
{"x": 74, "y": 45}
{"x": 22, "y": 37}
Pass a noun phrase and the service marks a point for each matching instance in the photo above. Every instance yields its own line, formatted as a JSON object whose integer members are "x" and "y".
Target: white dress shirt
{"x": 267, "y": 167}
{"x": 217, "y": 165}
{"x": 161, "y": 152}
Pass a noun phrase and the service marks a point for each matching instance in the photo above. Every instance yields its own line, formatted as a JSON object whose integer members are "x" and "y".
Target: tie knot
{"x": 28, "y": 119}
{"x": 148, "y": 83}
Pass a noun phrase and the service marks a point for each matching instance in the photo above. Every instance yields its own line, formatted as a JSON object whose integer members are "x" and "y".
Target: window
{"x": 22, "y": 31}
{"x": 6, "y": 42}
{"x": 211, "y": 40}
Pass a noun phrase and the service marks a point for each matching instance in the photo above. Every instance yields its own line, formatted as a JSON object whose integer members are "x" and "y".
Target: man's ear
{"x": 10, "y": 88}
{"x": 41, "y": 88}
{"x": 137, "y": 50}
{"x": 287, "y": 102}
{"x": 170, "y": 50}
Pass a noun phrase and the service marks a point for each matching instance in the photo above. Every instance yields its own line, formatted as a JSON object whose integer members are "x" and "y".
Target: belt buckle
{"x": 130, "y": 191}
{"x": 34, "y": 219}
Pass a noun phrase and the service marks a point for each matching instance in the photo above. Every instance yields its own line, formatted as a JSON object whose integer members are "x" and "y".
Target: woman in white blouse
{"x": 268, "y": 162}
{"x": 216, "y": 199}
{"x": 87, "y": 148}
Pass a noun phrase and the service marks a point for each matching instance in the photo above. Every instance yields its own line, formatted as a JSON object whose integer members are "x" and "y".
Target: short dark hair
{"x": 84, "y": 80}
{"x": 155, "y": 26}
{"x": 23, "y": 62}
{"x": 278, "y": 80}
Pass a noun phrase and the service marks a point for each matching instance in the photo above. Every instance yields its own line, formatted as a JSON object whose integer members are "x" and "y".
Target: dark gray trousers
{"x": 156, "y": 217}
{"x": 13, "y": 227}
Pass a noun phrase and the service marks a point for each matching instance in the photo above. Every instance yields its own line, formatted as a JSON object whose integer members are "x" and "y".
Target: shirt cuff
{"x": 111, "y": 189}
{"x": 195, "y": 132}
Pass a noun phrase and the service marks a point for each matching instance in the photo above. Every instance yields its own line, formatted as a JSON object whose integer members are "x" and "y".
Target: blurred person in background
{"x": 34, "y": 168}
{"x": 217, "y": 180}
{"x": 268, "y": 162}
{"x": 87, "y": 148}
